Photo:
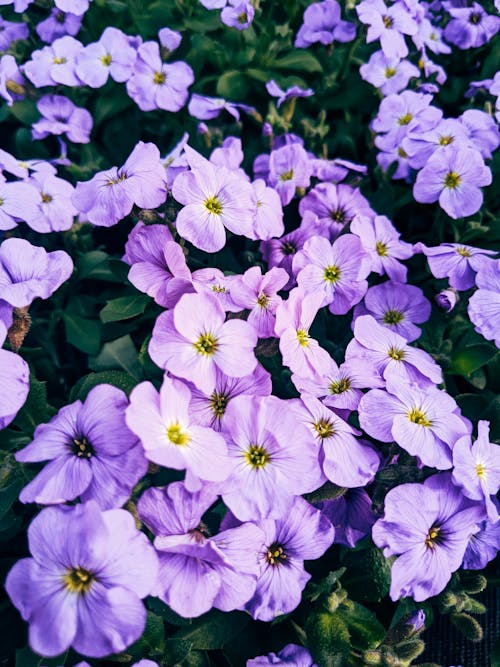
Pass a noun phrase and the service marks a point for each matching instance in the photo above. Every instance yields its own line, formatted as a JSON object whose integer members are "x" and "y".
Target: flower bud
{"x": 447, "y": 299}
{"x": 468, "y": 626}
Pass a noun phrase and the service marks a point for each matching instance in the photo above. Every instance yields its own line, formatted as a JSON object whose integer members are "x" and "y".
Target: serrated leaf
{"x": 83, "y": 333}
{"x": 118, "y": 354}
{"x": 124, "y": 307}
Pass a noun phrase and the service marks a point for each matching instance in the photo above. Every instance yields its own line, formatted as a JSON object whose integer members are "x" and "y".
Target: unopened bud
{"x": 409, "y": 650}
{"x": 14, "y": 87}
{"x": 473, "y": 583}
{"x": 406, "y": 628}
{"x": 447, "y": 299}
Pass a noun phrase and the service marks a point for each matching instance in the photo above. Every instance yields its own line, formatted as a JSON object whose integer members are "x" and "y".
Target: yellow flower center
{"x": 58, "y": 61}
{"x": 381, "y": 249}
{"x": 257, "y": 457}
{"x": 213, "y": 205}
{"x": 286, "y": 175}
{"x": 481, "y": 471}
{"x": 177, "y": 435}
{"x": 394, "y": 353}
{"x": 324, "y": 428}
{"x": 452, "y": 180}
{"x": 339, "y": 386}
{"x": 464, "y": 252}
{"x": 303, "y": 337}
{"x": 393, "y": 317}
{"x": 446, "y": 140}
{"x": 338, "y": 215}
{"x": 159, "y": 78}
{"x": 206, "y": 344}
{"x": 390, "y": 72}
{"x": 46, "y": 198}
{"x": 263, "y": 300}
{"x": 218, "y": 404}
{"x": 78, "y": 580}
{"x": 81, "y": 447}
{"x": 419, "y": 417}
{"x": 388, "y": 22}
{"x": 276, "y": 555}
{"x": 106, "y": 60}
{"x": 432, "y": 537}
{"x": 332, "y": 274}
{"x": 404, "y": 120}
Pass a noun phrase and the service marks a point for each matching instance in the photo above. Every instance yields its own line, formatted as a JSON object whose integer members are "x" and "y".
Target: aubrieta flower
{"x": 238, "y": 14}
{"x": 61, "y": 116}
{"x": 387, "y": 24}
{"x": 394, "y": 359}
{"x": 11, "y": 80}
{"x": 259, "y": 294}
{"x": 420, "y": 145}
{"x": 207, "y": 108}
{"x": 192, "y": 340}
{"x": 271, "y": 456}
{"x": 112, "y": 56}
{"x": 337, "y": 271}
{"x": 54, "y": 64}
{"x": 454, "y": 177}
{"x": 198, "y": 571}
{"x": 58, "y": 24}
{"x": 229, "y": 154}
{"x": 390, "y": 75}
{"x": 428, "y": 527}
{"x": 213, "y": 198}
{"x": 28, "y": 272}
{"x": 382, "y": 241}
{"x": 154, "y": 84}
{"x": 169, "y": 39}
{"x": 294, "y": 317}
{"x": 482, "y": 131}
{"x": 54, "y": 211}
{"x": 351, "y": 515}
{"x": 87, "y": 565}
{"x": 430, "y": 36}
{"x": 110, "y": 195}
{"x": 335, "y": 170}
{"x": 400, "y": 114}
{"x": 18, "y": 201}
{"x": 281, "y": 252}
{"x": 268, "y": 216}
{"x": 476, "y": 468}
{"x": 175, "y": 162}
{"x": 424, "y": 422}
{"x": 292, "y": 654}
{"x": 78, "y": 7}
{"x": 470, "y": 27}
{"x": 219, "y": 285}
{"x": 24, "y": 169}
{"x": 397, "y": 306}
{"x": 484, "y": 304}
{"x": 169, "y": 435}
{"x": 289, "y": 169}
{"x": 14, "y": 381}
{"x": 456, "y": 261}
{"x": 11, "y": 31}
{"x": 303, "y": 533}
{"x": 447, "y": 299}
{"x": 92, "y": 454}
{"x": 322, "y": 23}
{"x": 483, "y": 546}
{"x": 288, "y": 94}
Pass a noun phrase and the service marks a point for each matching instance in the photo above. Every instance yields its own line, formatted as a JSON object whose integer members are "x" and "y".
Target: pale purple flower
{"x": 213, "y": 281}
{"x": 259, "y": 294}
{"x": 484, "y": 304}
{"x": 382, "y": 241}
{"x": 453, "y": 177}
{"x": 420, "y": 145}
{"x": 18, "y": 201}
{"x": 192, "y": 340}
{"x": 395, "y": 155}
{"x": 11, "y": 80}
{"x": 428, "y": 527}
{"x": 390, "y": 75}
{"x": 424, "y": 422}
{"x": 169, "y": 39}
{"x": 470, "y": 27}
{"x": 14, "y": 382}
{"x": 337, "y": 271}
{"x": 58, "y": 24}
{"x": 207, "y": 108}
{"x": 351, "y": 515}
{"x": 112, "y": 56}
{"x": 110, "y": 195}
{"x": 213, "y": 198}
{"x": 92, "y": 454}
{"x": 268, "y": 217}
{"x": 61, "y": 116}
{"x": 335, "y": 170}
{"x": 158, "y": 85}
{"x": 400, "y": 114}
{"x": 84, "y": 584}
{"x": 430, "y": 36}
{"x": 482, "y": 130}
{"x": 281, "y": 252}
{"x": 322, "y": 23}
{"x": 292, "y": 654}
{"x": 238, "y": 14}
{"x": 176, "y": 162}
{"x": 78, "y": 7}
{"x": 169, "y": 435}
{"x": 397, "y": 306}
{"x": 198, "y": 571}
{"x": 11, "y": 31}
{"x": 230, "y": 155}
{"x": 483, "y": 546}
{"x": 55, "y": 63}
{"x": 289, "y": 169}
{"x": 447, "y": 299}
{"x": 28, "y": 272}
{"x": 24, "y": 168}
{"x": 456, "y": 261}
{"x": 303, "y": 533}
{"x": 55, "y": 211}
{"x": 289, "y": 94}
{"x": 387, "y": 24}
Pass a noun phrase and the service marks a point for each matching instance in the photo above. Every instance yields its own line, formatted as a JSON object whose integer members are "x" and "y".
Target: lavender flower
{"x": 289, "y": 94}
{"x": 446, "y": 299}
{"x": 54, "y": 211}
{"x": 169, "y": 39}
{"x": 111, "y": 56}
{"x": 87, "y": 566}
{"x": 268, "y": 216}
{"x": 238, "y": 14}
{"x": 387, "y": 24}
{"x": 470, "y": 27}
{"x": 483, "y": 546}
{"x": 289, "y": 169}
{"x": 207, "y": 108}
{"x": 296, "y": 656}
{"x": 455, "y": 261}
{"x": 322, "y": 23}
{"x": 58, "y": 24}
{"x": 54, "y": 64}
{"x": 11, "y": 31}
{"x": 61, "y": 116}
{"x": 390, "y": 75}
{"x": 14, "y": 381}
{"x": 484, "y": 304}
{"x": 351, "y": 515}
{"x": 11, "y": 80}
{"x": 18, "y": 201}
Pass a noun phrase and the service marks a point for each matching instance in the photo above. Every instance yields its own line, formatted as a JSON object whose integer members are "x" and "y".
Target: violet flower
{"x": 456, "y": 261}
{"x": 289, "y": 94}
{"x": 61, "y": 116}
{"x": 112, "y": 56}
{"x": 484, "y": 304}
{"x": 322, "y": 23}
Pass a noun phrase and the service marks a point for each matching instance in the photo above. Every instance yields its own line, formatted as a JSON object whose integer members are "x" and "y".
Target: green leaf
{"x": 466, "y": 361}
{"x": 124, "y": 308}
{"x": 368, "y": 576}
{"x": 365, "y": 629}
{"x": 112, "y": 103}
{"x": 26, "y": 658}
{"x": 95, "y": 265}
{"x": 328, "y": 639}
{"x": 25, "y": 111}
{"x": 119, "y": 379}
{"x": 232, "y": 85}
{"x": 83, "y": 333}
{"x": 36, "y": 409}
{"x": 214, "y": 629}
{"x": 120, "y": 354}
{"x": 152, "y": 640}
{"x": 303, "y": 61}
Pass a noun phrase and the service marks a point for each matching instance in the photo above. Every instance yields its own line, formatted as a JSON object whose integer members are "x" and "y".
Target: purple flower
{"x": 470, "y": 27}
{"x": 289, "y": 169}
{"x": 476, "y": 468}
{"x": 301, "y": 353}
{"x": 268, "y": 216}
{"x": 457, "y": 262}
{"x": 54, "y": 64}
{"x": 207, "y": 108}
{"x": 209, "y": 409}
{"x": 84, "y": 585}
{"x": 213, "y": 198}
{"x": 387, "y": 24}
{"x": 238, "y": 14}
{"x": 337, "y": 271}
{"x": 482, "y": 130}
{"x": 28, "y": 272}
{"x": 281, "y": 252}
{"x": 176, "y": 162}
{"x": 391, "y": 75}
{"x": 288, "y": 94}
{"x": 58, "y": 24}
{"x": 14, "y": 382}
{"x": 447, "y": 299}
{"x": 453, "y": 177}
{"x": 322, "y": 23}
{"x": 229, "y": 155}
{"x": 400, "y": 114}
{"x": 61, "y": 116}
{"x": 111, "y": 56}
{"x": 351, "y": 515}
{"x": 18, "y": 201}
{"x": 293, "y": 655}
{"x": 192, "y": 340}
{"x": 428, "y": 527}
{"x": 335, "y": 170}
{"x": 54, "y": 211}
{"x": 381, "y": 240}
{"x": 11, "y": 80}
{"x": 197, "y": 571}
{"x": 345, "y": 460}
{"x": 424, "y": 422}
{"x": 78, "y": 7}
{"x": 484, "y": 304}
{"x": 271, "y": 455}
{"x": 420, "y": 145}
{"x": 396, "y": 306}
{"x": 430, "y": 36}
{"x": 92, "y": 454}
{"x": 483, "y": 546}
{"x": 303, "y": 533}
{"x": 259, "y": 293}
{"x": 171, "y": 437}
{"x": 11, "y": 31}
{"x": 169, "y": 39}
{"x": 110, "y": 195}
{"x": 216, "y": 283}
{"x": 158, "y": 85}
{"x": 24, "y": 169}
